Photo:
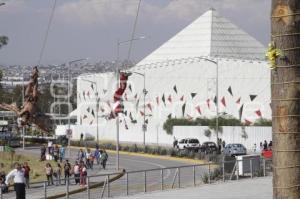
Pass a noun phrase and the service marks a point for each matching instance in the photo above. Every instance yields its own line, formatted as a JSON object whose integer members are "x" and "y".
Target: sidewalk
{"x": 242, "y": 189}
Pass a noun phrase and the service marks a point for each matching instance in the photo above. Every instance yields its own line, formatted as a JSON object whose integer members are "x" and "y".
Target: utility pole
{"x": 285, "y": 89}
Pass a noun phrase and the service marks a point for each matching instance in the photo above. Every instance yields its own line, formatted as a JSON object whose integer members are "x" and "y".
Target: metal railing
{"x": 133, "y": 182}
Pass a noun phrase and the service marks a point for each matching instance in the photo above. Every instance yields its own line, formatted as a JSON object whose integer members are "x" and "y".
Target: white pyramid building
{"x": 177, "y": 75}
{"x": 209, "y": 35}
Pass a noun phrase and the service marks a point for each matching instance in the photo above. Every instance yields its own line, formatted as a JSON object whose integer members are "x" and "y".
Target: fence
{"x": 133, "y": 182}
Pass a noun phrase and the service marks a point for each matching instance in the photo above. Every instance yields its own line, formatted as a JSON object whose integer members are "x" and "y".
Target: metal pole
{"x": 264, "y": 165}
{"x": 223, "y": 170}
{"x": 194, "y": 175}
{"x": 88, "y": 187}
{"x": 1, "y": 195}
{"x": 162, "y": 179}
{"x": 97, "y": 111}
{"x": 117, "y": 119}
{"x": 45, "y": 190}
{"x": 217, "y": 104}
{"x": 127, "y": 187}
{"x": 144, "y": 128}
{"x": 209, "y": 173}
{"x": 251, "y": 168}
{"x": 67, "y": 188}
{"x": 237, "y": 170}
{"x": 23, "y": 128}
{"x": 69, "y": 138}
{"x": 178, "y": 177}
{"x": 108, "y": 187}
{"x": 145, "y": 181}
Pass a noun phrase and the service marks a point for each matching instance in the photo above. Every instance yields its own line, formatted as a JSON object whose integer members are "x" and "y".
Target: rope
{"x": 286, "y": 132}
{"x": 47, "y": 33}
{"x": 134, "y": 29}
{"x": 288, "y": 49}
{"x": 286, "y": 15}
{"x": 287, "y": 99}
{"x": 285, "y": 150}
{"x": 288, "y": 187}
{"x": 289, "y": 82}
{"x": 280, "y": 116}
{"x": 286, "y": 167}
{"x": 286, "y": 34}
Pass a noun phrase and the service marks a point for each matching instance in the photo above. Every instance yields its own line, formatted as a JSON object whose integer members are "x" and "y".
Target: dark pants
{"x": 67, "y": 176}
{"x": 20, "y": 190}
{"x": 77, "y": 178}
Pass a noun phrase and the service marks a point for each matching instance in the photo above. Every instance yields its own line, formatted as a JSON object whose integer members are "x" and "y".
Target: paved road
{"x": 136, "y": 180}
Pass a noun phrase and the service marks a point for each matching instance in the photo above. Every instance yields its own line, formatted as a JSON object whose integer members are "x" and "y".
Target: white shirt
{"x": 18, "y": 176}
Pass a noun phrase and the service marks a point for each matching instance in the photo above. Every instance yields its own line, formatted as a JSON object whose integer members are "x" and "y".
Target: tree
{"x": 285, "y": 89}
{"x": 3, "y": 41}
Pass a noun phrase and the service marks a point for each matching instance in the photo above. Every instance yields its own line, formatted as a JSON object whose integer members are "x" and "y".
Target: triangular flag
{"x": 88, "y": 109}
{"x": 149, "y": 106}
{"x": 189, "y": 117}
{"x": 137, "y": 105}
{"x": 175, "y": 89}
{"x": 142, "y": 113}
{"x": 135, "y": 96}
{"x": 181, "y": 99}
{"x": 104, "y": 91}
{"x": 208, "y": 103}
{"x": 241, "y": 112}
{"x": 84, "y": 116}
{"x": 83, "y": 94}
{"x": 88, "y": 94}
{"x": 170, "y": 116}
{"x": 92, "y": 86}
{"x": 230, "y": 91}
{"x": 258, "y": 113}
{"x": 252, "y": 97}
{"x": 193, "y": 95}
{"x": 170, "y": 98}
{"x": 238, "y": 100}
{"x": 91, "y": 122}
{"x": 93, "y": 113}
{"x": 125, "y": 96}
{"x": 223, "y": 101}
{"x": 125, "y": 123}
{"x": 157, "y": 101}
{"x": 80, "y": 120}
{"x": 198, "y": 109}
{"x": 215, "y": 100}
{"x": 102, "y": 109}
{"x": 163, "y": 99}
{"x": 247, "y": 122}
{"x": 129, "y": 86}
{"x": 108, "y": 103}
{"x": 146, "y": 121}
{"x": 183, "y": 109}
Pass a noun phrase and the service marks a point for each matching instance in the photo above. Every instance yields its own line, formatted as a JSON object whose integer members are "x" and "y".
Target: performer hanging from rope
{"x": 27, "y": 114}
{"x": 118, "y": 106}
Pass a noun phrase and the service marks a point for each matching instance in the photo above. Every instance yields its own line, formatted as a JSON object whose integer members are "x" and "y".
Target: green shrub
{"x": 205, "y": 178}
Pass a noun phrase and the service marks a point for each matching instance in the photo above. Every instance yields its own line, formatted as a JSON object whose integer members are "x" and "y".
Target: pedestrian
{"x": 261, "y": 146}
{"x": 43, "y": 153}
{"x": 19, "y": 181}
{"x": 265, "y": 145}
{"x": 254, "y": 148}
{"x": 97, "y": 155}
{"x": 76, "y": 170}
{"x": 223, "y": 144}
{"x": 83, "y": 174}
{"x": 26, "y": 173}
{"x": 67, "y": 170}
{"x": 56, "y": 152}
{"x": 80, "y": 155}
{"x": 88, "y": 158}
{"x": 270, "y": 145}
{"x": 49, "y": 174}
{"x": 62, "y": 152}
{"x": 104, "y": 158}
{"x": 57, "y": 174}
{"x": 50, "y": 143}
{"x": 3, "y": 186}
{"x": 81, "y": 138}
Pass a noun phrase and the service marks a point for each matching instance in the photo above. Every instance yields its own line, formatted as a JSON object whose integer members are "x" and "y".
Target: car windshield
{"x": 236, "y": 145}
{"x": 210, "y": 144}
{"x": 182, "y": 141}
{"x": 194, "y": 141}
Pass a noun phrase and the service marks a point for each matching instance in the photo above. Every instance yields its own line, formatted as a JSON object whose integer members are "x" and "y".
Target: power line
{"x": 47, "y": 33}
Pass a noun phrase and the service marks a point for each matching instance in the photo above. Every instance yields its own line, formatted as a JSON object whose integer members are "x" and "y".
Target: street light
{"x": 69, "y": 128}
{"x": 117, "y": 118}
{"x": 97, "y": 105}
{"x": 145, "y": 93}
{"x": 217, "y": 94}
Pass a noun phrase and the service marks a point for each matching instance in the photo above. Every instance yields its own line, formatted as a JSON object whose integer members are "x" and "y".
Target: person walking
{"x": 26, "y": 173}
{"x": 56, "y": 153}
{"x": 62, "y": 152}
{"x": 104, "y": 158}
{"x": 80, "y": 155}
{"x": 57, "y": 174}
{"x": 43, "y": 153}
{"x": 67, "y": 171}
{"x": 83, "y": 174}
{"x": 97, "y": 155}
{"x": 49, "y": 174}
{"x": 88, "y": 158}
{"x": 76, "y": 170}
{"x": 19, "y": 180}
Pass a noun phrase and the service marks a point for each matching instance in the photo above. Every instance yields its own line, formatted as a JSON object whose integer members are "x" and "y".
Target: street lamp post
{"x": 69, "y": 125}
{"x": 117, "y": 69}
{"x": 145, "y": 93}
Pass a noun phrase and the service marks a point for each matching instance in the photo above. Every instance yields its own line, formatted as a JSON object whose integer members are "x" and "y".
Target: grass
{"x": 37, "y": 168}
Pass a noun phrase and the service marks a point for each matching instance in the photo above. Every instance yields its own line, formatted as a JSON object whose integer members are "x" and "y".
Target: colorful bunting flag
{"x": 142, "y": 113}
{"x": 157, "y": 101}
{"x": 189, "y": 117}
{"x": 170, "y": 116}
{"x": 198, "y": 109}
{"x": 230, "y": 91}
{"x": 88, "y": 94}
{"x": 149, "y": 106}
{"x": 238, "y": 100}
{"x": 137, "y": 105}
{"x": 247, "y": 122}
{"x": 146, "y": 121}
{"x": 193, "y": 95}
{"x": 102, "y": 109}
{"x": 104, "y": 91}
{"x": 183, "y": 109}
{"x": 252, "y": 97}
{"x": 129, "y": 86}
{"x": 83, "y": 94}
{"x": 80, "y": 120}
{"x": 241, "y": 112}
{"x": 125, "y": 96}
{"x": 215, "y": 100}
{"x": 92, "y": 86}
{"x": 135, "y": 96}
{"x": 170, "y": 98}
{"x": 208, "y": 103}
{"x": 91, "y": 122}
{"x": 93, "y": 113}
{"x": 175, "y": 89}
{"x": 223, "y": 101}
{"x": 163, "y": 99}
{"x": 258, "y": 113}
{"x": 182, "y": 97}
{"x": 88, "y": 109}
{"x": 84, "y": 116}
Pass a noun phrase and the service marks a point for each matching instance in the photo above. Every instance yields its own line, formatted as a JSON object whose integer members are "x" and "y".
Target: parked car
{"x": 234, "y": 150}
{"x": 189, "y": 143}
{"x": 208, "y": 147}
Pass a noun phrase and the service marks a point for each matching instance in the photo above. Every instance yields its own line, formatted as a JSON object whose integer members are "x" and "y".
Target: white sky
{"x": 91, "y": 28}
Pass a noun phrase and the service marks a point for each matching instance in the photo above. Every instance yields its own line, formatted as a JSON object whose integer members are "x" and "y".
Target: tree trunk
{"x": 285, "y": 85}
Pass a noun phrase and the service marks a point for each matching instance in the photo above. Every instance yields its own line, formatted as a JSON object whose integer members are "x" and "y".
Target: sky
{"x": 91, "y": 28}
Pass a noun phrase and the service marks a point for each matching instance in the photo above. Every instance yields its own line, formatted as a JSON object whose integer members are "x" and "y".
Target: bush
{"x": 172, "y": 152}
{"x": 204, "y": 178}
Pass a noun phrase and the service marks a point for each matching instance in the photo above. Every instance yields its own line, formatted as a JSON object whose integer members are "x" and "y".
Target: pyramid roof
{"x": 209, "y": 35}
